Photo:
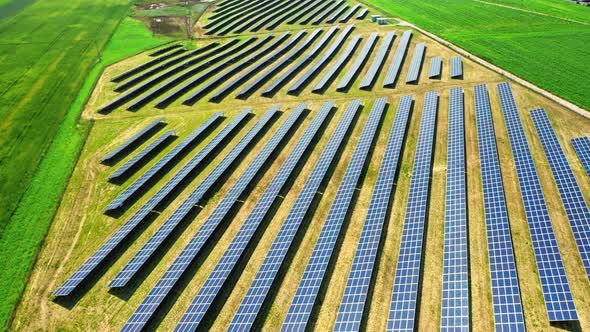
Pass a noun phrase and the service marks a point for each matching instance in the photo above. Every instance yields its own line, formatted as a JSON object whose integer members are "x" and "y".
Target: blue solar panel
{"x": 455, "y": 287}
{"x": 309, "y": 286}
{"x": 435, "y": 67}
{"x": 378, "y": 62}
{"x": 337, "y": 14}
{"x": 555, "y": 286}
{"x": 352, "y": 306}
{"x": 280, "y": 16}
{"x": 362, "y": 14}
{"x": 416, "y": 64}
{"x": 244, "y": 22}
{"x": 168, "y": 280}
{"x": 319, "y": 7}
{"x": 582, "y": 147}
{"x": 358, "y": 63}
{"x": 106, "y": 248}
{"x": 508, "y": 315}
{"x": 398, "y": 60}
{"x": 252, "y": 302}
{"x": 349, "y": 14}
{"x": 569, "y": 190}
{"x": 141, "y": 155}
{"x": 456, "y": 67}
{"x": 321, "y": 16}
{"x": 241, "y": 17}
{"x": 120, "y": 200}
{"x": 146, "y": 252}
{"x": 402, "y": 311}
{"x": 151, "y": 63}
{"x": 338, "y": 65}
{"x": 116, "y": 152}
{"x": 214, "y": 283}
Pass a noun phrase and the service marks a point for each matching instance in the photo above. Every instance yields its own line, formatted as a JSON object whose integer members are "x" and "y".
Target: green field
{"x": 544, "y": 48}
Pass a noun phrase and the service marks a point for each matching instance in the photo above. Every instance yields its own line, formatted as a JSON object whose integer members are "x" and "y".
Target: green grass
{"x": 163, "y": 11}
{"x": 28, "y": 226}
{"x": 548, "y": 51}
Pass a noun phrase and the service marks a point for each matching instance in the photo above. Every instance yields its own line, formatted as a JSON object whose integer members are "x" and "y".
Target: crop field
{"x": 179, "y": 85}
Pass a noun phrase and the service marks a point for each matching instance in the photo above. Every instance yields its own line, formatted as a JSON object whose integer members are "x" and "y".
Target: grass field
{"x": 27, "y": 228}
{"x": 80, "y": 227}
{"x": 546, "y": 49}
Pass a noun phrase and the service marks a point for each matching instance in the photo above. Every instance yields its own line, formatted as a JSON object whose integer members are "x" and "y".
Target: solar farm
{"x": 317, "y": 165}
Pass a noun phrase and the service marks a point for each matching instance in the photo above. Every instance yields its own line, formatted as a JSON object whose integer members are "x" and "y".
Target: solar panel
{"x": 252, "y": 302}
{"x": 322, "y": 84}
{"x": 326, "y": 57}
{"x": 508, "y": 315}
{"x": 319, "y": 18}
{"x": 229, "y": 19}
{"x": 377, "y": 64}
{"x": 158, "y": 142}
{"x": 555, "y": 286}
{"x": 302, "y": 13}
{"x": 174, "y": 94}
{"x": 456, "y": 67}
{"x": 435, "y": 67}
{"x": 358, "y": 63}
{"x": 214, "y": 283}
{"x": 226, "y": 14}
{"x": 243, "y": 18}
{"x": 316, "y": 12}
{"x": 247, "y": 22}
{"x": 165, "y": 49}
{"x": 416, "y": 63}
{"x": 398, "y": 60}
{"x": 233, "y": 84}
{"x": 254, "y": 85}
{"x": 233, "y": 70}
{"x": 137, "y": 69}
{"x": 362, "y": 14}
{"x": 582, "y": 147}
{"x": 402, "y": 311}
{"x": 352, "y": 305}
{"x": 164, "y": 285}
{"x": 455, "y": 286}
{"x": 280, "y": 15}
{"x": 309, "y": 286}
{"x": 349, "y": 14}
{"x": 569, "y": 190}
{"x": 299, "y": 65}
{"x": 163, "y": 162}
{"x": 131, "y": 141}
{"x": 164, "y": 231}
{"x": 337, "y": 14}
{"x": 113, "y": 242}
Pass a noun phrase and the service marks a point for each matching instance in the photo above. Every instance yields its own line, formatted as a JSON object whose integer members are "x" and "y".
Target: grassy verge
{"x": 28, "y": 226}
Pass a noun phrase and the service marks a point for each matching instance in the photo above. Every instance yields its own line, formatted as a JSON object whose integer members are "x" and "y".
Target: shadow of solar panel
{"x": 331, "y": 74}
{"x": 582, "y": 147}
{"x": 351, "y": 308}
{"x": 398, "y": 60}
{"x": 213, "y": 285}
{"x": 116, "y": 239}
{"x": 131, "y": 141}
{"x": 402, "y": 311}
{"x": 569, "y": 190}
{"x": 358, "y": 63}
{"x": 456, "y": 67}
{"x": 309, "y": 286}
{"x": 263, "y": 281}
{"x": 435, "y": 67}
{"x": 349, "y": 14}
{"x": 375, "y": 68}
{"x": 137, "y": 69}
{"x": 416, "y": 64}
{"x": 153, "y": 300}
{"x": 556, "y": 290}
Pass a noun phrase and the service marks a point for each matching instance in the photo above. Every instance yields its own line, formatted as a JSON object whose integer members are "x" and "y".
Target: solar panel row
{"x": 358, "y": 63}
{"x": 254, "y": 85}
{"x": 106, "y": 248}
{"x": 352, "y": 305}
{"x": 435, "y": 67}
{"x": 162, "y": 288}
{"x": 309, "y": 286}
{"x": 254, "y": 18}
{"x": 254, "y": 299}
{"x": 233, "y": 70}
{"x": 165, "y": 49}
{"x": 569, "y": 190}
{"x": 336, "y": 15}
{"x": 223, "y": 15}
{"x": 321, "y": 17}
{"x": 455, "y": 286}
{"x": 582, "y": 147}
{"x": 240, "y": 22}
{"x": 322, "y": 84}
{"x": 164, "y": 231}
{"x": 313, "y": 6}
{"x": 302, "y": 81}
{"x": 349, "y": 14}
{"x": 416, "y": 64}
{"x": 555, "y": 286}
{"x": 279, "y": 16}
{"x": 128, "y": 73}
{"x": 229, "y": 19}
{"x": 161, "y": 164}
{"x": 398, "y": 60}
{"x": 131, "y": 141}
{"x": 507, "y": 305}
{"x": 456, "y": 67}
{"x": 375, "y": 68}
{"x": 316, "y": 12}
{"x": 362, "y": 14}
{"x": 143, "y": 154}
{"x": 402, "y": 311}
{"x": 214, "y": 283}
